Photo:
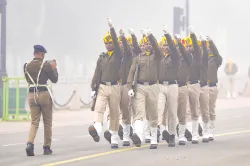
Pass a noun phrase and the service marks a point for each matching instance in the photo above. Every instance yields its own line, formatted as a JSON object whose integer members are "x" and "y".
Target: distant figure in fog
{"x": 231, "y": 69}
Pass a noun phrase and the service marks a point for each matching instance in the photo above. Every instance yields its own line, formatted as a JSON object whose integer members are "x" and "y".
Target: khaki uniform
{"x": 40, "y": 103}
{"x": 109, "y": 91}
{"x": 214, "y": 63}
{"x": 194, "y": 88}
{"x": 231, "y": 69}
{"x": 147, "y": 92}
{"x": 168, "y": 95}
{"x": 183, "y": 73}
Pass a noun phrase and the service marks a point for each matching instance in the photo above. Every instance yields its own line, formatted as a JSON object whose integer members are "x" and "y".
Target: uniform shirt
{"x": 185, "y": 64}
{"x": 148, "y": 67}
{"x": 109, "y": 64}
{"x": 214, "y": 62}
{"x": 47, "y": 72}
{"x": 195, "y": 68}
{"x": 204, "y": 66}
{"x": 168, "y": 70}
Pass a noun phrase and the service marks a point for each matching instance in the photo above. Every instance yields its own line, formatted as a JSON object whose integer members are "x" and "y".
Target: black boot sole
{"x": 211, "y": 139}
{"x": 107, "y": 136}
{"x": 171, "y": 145}
{"x": 195, "y": 142}
{"x": 47, "y": 153}
{"x": 153, "y": 146}
{"x": 147, "y": 141}
{"x": 29, "y": 152}
{"x": 136, "y": 140}
{"x": 114, "y": 146}
{"x": 205, "y": 140}
{"x": 126, "y": 143}
{"x": 120, "y": 132}
{"x": 182, "y": 143}
{"x": 93, "y": 133}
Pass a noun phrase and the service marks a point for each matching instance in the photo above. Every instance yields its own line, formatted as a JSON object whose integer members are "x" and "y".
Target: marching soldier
{"x": 168, "y": 70}
{"x": 109, "y": 92}
{"x": 37, "y": 73}
{"x": 204, "y": 90}
{"x": 214, "y": 62}
{"x": 231, "y": 69}
{"x": 183, "y": 73}
{"x": 146, "y": 91}
{"x": 194, "y": 86}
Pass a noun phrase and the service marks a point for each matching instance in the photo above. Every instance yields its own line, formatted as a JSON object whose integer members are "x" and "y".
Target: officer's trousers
{"x": 182, "y": 104}
{"x": 213, "y": 92}
{"x": 194, "y": 94}
{"x": 146, "y": 100}
{"x": 204, "y": 103}
{"x": 168, "y": 96}
{"x": 42, "y": 105}
{"x": 110, "y": 95}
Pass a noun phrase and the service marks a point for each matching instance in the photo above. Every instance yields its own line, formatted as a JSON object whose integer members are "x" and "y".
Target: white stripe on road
{"x": 81, "y": 136}
{"x": 14, "y": 144}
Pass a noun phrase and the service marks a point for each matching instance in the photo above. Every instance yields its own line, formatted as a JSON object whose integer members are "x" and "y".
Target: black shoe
{"x": 126, "y": 143}
{"x": 47, "y": 150}
{"x": 93, "y": 133}
{"x": 165, "y": 135}
{"x": 188, "y": 135}
{"x": 153, "y": 146}
{"x": 30, "y": 149}
{"x": 114, "y": 146}
{"x": 147, "y": 141}
{"x": 131, "y": 132}
{"x": 200, "y": 130}
{"x": 211, "y": 139}
{"x": 205, "y": 140}
{"x": 120, "y": 132}
{"x": 158, "y": 134}
{"x": 182, "y": 142}
{"x": 136, "y": 140}
{"x": 177, "y": 130}
{"x": 171, "y": 141}
{"x": 107, "y": 136}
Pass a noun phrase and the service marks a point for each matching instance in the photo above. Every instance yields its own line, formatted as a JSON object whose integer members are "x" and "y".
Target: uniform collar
{"x": 37, "y": 59}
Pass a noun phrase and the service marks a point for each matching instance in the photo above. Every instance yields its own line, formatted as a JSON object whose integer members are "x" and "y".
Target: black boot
{"x": 165, "y": 135}
{"x": 158, "y": 134}
{"x": 188, "y": 135}
{"x": 47, "y": 150}
{"x": 93, "y": 133}
{"x": 30, "y": 149}
{"x": 120, "y": 132}
{"x": 131, "y": 131}
{"x": 136, "y": 140}
{"x": 171, "y": 141}
{"x": 200, "y": 130}
{"x": 107, "y": 136}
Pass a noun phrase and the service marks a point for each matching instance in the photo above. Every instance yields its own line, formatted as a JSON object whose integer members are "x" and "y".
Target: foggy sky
{"x": 72, "y": 30}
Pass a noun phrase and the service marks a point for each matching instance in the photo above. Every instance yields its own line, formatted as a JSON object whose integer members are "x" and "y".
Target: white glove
{"x": 110, "y": 23}
{"x": 143, "y": 32}
{"x": 131, "y": 93}
{"x": 164, "y": 29}
{"x": 149, "y": 31}
{"x": 202, "y": 37}
{"x": 93, "y": 94}
{"x": 190, "y": 29}
{"x": 208, "y": 38}
{"x": 177, "y": 36}
{"x": 131, "y": 31}
{"x": 122, "y": 32}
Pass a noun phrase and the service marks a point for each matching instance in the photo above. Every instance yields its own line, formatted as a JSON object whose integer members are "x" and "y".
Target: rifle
{"x": 98, "y": 82}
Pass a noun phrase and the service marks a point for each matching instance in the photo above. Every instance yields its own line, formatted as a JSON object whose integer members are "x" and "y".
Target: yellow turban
{"x": 129, "y": 39}
{"x": 164, "y": 40}
{"x": 160, "y": 43}
{"x": 141, "y": 42}
{"x": 189, "y": 41}
{"x": 145, "y": 39}
{"x": 107, "y": 38}
{"x": 199, "y": 42}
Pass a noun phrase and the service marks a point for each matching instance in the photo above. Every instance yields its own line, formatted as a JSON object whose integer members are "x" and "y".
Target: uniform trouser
{"x": 110, "y": 95}
{"x": 231, "y": 84}
{"x": 204, "y": 104}
{"x": 182, "y": 104}
{"x": 145, "y": 101}
{"x": 168, "y": 96}
{"x": 194, "y": 94}
{"x": 42, "y": 105}
{"x": 213, "y": 92}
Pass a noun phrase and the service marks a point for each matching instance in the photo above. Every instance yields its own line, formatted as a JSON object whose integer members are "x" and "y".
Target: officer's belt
{"x": 202, "y": 84}
{"x": 212, "y": 84}
{"x": 109, "y": 83}
{"x": 39, "y": 88}
{"x": 147, "y": 83}
{"x": 168, "y": 82}
{"x": 193, "y": 82}
{"x": 180, "y": 84}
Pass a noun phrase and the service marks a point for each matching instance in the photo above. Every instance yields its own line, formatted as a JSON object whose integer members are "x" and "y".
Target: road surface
{"x": 73, "y": 146}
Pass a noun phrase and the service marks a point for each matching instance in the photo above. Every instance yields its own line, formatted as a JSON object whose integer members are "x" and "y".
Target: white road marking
{"x": 14, "y": 144}
{"x": 81, "y": 136}
{"x": 223, "y": 118}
